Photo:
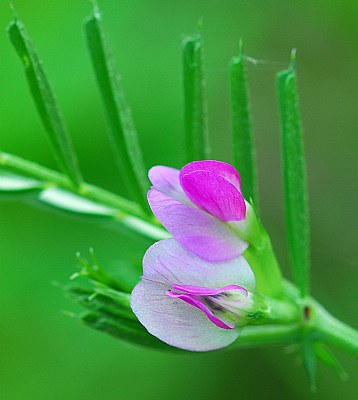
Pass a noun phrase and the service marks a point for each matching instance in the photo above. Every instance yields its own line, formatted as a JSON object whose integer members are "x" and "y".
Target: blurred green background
{"x": 46, "y": 355}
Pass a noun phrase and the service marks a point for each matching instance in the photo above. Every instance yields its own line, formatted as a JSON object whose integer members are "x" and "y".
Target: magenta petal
{"x": 202, "y": 291}
{"x": 195, "y": 229}
{"x": 214, "y": 194}
{"x": 166, "y": 180}
{"x": 198, "y": 304}
{"x": 220, "y": 168}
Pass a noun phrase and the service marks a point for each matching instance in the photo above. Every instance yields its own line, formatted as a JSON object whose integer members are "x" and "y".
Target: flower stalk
{"x": 263, "y": 262}
{"x": 271, "y": 311}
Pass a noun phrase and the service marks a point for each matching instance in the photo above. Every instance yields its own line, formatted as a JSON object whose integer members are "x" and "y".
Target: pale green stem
{"x": 320, "y": 325}
{"x": 128, "y": 213}
{"x": 264, "y": 264}
{"x": 329, "y": 330}
{"x": 266, "y": 335}
{"x": 292, "y": 321}
{"x": 260, "y": 254}
{"x": 277, "y": 312}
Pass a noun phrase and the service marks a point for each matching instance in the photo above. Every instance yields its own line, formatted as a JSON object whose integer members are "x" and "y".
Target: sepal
{"x": 327, "y": 357}
{"x": 108, "y": 311}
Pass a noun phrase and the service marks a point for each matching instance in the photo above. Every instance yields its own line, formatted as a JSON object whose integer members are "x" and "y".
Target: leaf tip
{"x": 11, "y": 26}
{"x": 95, "y": 15}
{"x": 200, "y": 23}
{"x": 12, "y": 9}
{"x": 293, "y": 58}
{"x": 240, "y": 57}
{"x": 241, "y": 47}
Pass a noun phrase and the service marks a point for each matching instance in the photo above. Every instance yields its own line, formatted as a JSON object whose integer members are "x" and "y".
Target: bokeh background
{"x": 46, "y": 355}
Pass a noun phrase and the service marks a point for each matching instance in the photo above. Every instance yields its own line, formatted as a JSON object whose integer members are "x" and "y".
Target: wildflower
{"x": 191, "y": 303}
{"x": 203, "y": 208}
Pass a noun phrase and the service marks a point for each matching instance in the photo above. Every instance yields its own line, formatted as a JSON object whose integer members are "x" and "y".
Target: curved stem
{"x": 260, "y": 254}
{"x": 52, "y": 177}
{"x": 128, "y": 213}
{"x": 330, "y": 330}
{"x": 321, "y": 325}
{"x": 264, "y": 264}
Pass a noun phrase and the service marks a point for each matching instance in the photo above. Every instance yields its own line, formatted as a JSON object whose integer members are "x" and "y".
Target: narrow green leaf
{"x": 96, "y": 273}
{"x": 324, "y": 355}
{"x": 110, "y": 312}
{"x": 294, "y": 177}
{"x": 309, "y": 361}
{"x": 244, "y": 154}
{"x": 196, "y": 126}
{"x": 67, "y": 201}
{"x": 123, "y": 134}
{"x": 135, "y": 335}
{"x": 45, "y": 101}
{"x": 98, "y": 300}
{"x": 18, "y": 184}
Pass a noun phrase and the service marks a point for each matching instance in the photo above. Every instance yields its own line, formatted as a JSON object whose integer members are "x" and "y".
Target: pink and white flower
{"x": 202, "y": 207}
{"x": 191, "y": 303}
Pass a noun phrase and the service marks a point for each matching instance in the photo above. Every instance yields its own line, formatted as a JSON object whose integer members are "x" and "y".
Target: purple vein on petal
{"x": 161, "y": 274}
{"x": 202, "y": 291}
{"x": 144, "y": 278}
{"x": 162, "y": 264}
{"x": 198, "y": 304}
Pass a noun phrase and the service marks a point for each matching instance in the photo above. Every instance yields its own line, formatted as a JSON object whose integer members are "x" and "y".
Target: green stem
{"x": 260, "y": 254}
{"x": 330, "y": 330}
{"x": 265, "y": 335}
{"x": 321, "y": 325}
{"x": 264, "y": 264}
{"x": 277, "y": 312}
{"x": 128, "y": 213}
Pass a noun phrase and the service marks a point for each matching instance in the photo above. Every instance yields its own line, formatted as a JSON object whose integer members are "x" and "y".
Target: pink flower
{"x": 201, "y": 206}
{"x": 191, "y": 303}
